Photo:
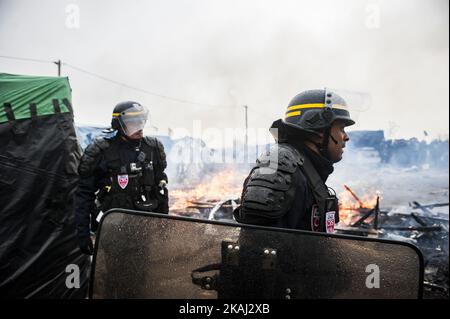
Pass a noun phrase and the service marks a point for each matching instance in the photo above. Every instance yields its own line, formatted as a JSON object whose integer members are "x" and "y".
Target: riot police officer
{"x": 125, "y": 171}
{"x": 287, "y": 186}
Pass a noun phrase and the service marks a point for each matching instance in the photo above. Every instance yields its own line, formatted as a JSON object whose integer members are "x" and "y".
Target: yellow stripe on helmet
{"x": 295, "y": 113}
{"x": 340, "y": 107}
{"x": 305, "y": 106}
{"x": 314, "y": 106}
{"x": 129, "y": 113}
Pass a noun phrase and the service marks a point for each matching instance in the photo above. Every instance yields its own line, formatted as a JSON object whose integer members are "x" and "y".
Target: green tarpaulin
{"x": 39, "y": 156}
{"x": 22, "y": 90}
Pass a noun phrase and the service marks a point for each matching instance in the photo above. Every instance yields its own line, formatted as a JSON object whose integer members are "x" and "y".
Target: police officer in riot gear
{"x": 125, "y": 171}
{"x": 287, "y": 187}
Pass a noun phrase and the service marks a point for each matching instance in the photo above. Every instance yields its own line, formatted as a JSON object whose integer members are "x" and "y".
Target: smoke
{"x": 401, "y": 171}
{"x": 224, "y": 54}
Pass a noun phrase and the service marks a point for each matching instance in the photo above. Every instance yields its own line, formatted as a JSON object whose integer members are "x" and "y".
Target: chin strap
{"x": 323, "y": 147}
{"x": 334, "y": 140}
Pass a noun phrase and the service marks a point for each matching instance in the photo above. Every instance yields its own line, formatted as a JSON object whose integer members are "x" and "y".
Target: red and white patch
{"x": 122, "y": 180}
{"x": 315, "y": 218}
{"x": 330, "y": 221}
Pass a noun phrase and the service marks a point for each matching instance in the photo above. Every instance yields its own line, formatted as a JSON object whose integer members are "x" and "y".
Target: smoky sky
{"x": 226, "y": 54}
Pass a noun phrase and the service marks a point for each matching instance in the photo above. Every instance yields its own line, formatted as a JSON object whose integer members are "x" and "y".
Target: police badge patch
{"x": 315, "y": 218}
{"x": 330, "y": 221}
{"x": 122, "y": 180}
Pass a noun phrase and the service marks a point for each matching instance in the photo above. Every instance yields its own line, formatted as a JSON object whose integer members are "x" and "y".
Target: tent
{"x": 39, "y": 154}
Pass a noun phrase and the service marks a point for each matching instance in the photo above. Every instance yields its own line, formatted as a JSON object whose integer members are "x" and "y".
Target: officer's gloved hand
{"x": 86, "y": 246}
{"x": 162, "y": 187}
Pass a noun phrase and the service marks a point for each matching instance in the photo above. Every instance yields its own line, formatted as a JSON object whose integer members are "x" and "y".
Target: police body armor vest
{"x": 271, "y": 193}
{"x": 129, "y": 181}
{"x": 129, "y": 185}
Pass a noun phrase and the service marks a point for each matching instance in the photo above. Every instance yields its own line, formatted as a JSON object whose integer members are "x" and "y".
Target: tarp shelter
{"x": 39, "y": 154}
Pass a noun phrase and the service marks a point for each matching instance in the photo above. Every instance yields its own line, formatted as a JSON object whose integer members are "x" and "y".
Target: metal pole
{"x": 246, "y": 134}
{"x": 58, "y": 63}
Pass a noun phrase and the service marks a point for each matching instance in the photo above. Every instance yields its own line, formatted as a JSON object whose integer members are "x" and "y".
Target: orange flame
{"x": 228, "y": 184}
{"x": 348, "y": 205}
{"x": 225, "y": 184}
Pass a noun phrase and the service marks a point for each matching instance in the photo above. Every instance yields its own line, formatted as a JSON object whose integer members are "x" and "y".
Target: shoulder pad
{"x": 91, "y": 155}
{"x": 281, "y": 157}
{"x": 155, "y": 143}
{"x": 150, "y": 140}
{"x": 270, "y": 188}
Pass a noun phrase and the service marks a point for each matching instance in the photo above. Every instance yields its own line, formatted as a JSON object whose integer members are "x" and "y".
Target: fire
{"x": 225, "y": 184}
{"x": 228, "y": 184}
{"x": 350, "y": 204}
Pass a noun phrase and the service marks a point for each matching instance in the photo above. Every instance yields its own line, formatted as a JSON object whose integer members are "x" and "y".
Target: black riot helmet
{"x": 310, "y": 113}
{"x": 315, "y": 110}
{"x": 129, "y": 117}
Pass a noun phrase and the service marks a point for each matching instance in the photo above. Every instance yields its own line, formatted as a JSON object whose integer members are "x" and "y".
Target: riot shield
{"x": 146, "y": 255}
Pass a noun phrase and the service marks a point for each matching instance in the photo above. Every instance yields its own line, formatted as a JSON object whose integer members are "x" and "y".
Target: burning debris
{"x": 428, "y": 230}
{"x": 360, "y": 214}
{"x": 425, "y": 226}
{"x": 214, "y": 198}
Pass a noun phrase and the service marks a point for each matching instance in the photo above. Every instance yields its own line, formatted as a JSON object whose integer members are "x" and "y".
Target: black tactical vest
{"x": 131, "y": 184}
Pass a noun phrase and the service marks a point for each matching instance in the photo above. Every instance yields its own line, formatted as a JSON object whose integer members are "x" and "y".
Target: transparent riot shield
{"x": 145, "y": 255}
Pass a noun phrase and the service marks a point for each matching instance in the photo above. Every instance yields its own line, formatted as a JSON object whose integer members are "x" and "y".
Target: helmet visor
{"x": 133, "y": 120}
{"x": 343, "y": 103}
